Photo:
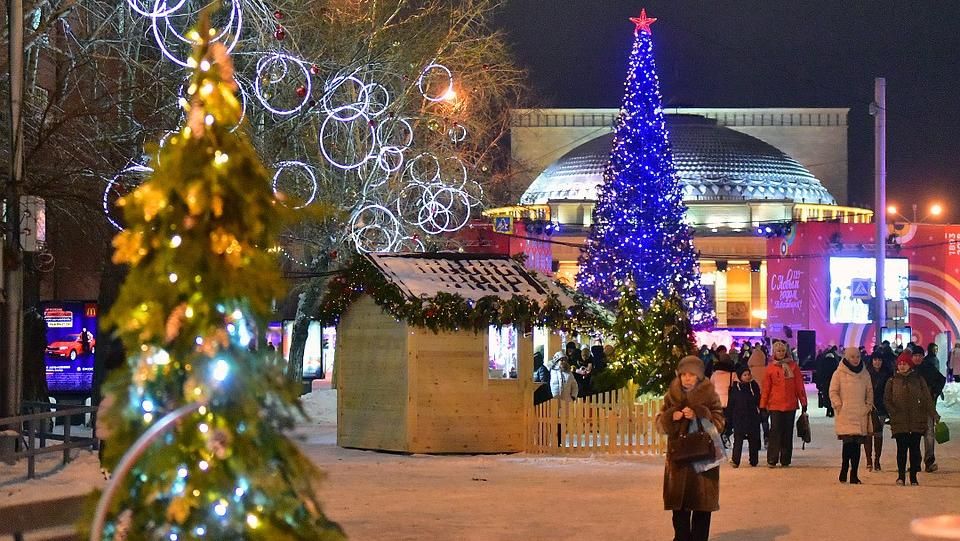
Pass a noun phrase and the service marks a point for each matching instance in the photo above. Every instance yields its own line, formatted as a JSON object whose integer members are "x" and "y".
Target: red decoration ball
{"x": 315, "y": 69}
{"x": 333, "y": 254}
{"x": 278, "y": 15}
{"x": 301, "y": 91}
{"x": 280, "y": 34}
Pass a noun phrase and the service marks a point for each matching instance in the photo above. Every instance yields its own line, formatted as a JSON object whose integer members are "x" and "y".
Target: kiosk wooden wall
{"x": 403, "y": 388}
{"x": 372, "y": 370}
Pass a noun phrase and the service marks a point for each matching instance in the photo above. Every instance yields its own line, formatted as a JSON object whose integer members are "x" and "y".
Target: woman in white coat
{"x": 851, "y": 394}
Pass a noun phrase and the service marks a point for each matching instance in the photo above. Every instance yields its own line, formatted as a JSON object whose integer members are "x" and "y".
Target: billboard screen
{"x": 318, "y": 350}
{"x": 852, "y": 286}
{"x": 71, "y": 342}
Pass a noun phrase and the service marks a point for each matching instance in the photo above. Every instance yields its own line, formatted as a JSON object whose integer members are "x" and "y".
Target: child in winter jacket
{"x": 744, "y": 409}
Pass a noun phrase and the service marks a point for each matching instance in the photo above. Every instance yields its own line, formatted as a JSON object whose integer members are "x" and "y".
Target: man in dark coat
{"x": 935, "y": 380}
{"x": 824, "y": 374}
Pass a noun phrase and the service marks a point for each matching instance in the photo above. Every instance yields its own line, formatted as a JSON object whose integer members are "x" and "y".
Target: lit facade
{"x": 742, "y": 169}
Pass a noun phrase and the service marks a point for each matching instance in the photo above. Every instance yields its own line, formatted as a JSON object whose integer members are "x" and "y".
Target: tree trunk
{"x": 306, "y": 307}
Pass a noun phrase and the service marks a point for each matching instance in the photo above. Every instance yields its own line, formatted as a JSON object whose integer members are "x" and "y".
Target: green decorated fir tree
{"x": 650, "y": 342}
{"x": 199, "y": 289}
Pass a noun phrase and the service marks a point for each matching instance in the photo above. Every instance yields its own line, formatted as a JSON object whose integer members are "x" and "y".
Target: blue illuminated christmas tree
{"x": 638, "y": 234}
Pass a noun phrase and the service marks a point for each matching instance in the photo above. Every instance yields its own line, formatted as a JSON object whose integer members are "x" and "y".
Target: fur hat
{"x": 906, "y": 357}
{"x": 691, "y": 364}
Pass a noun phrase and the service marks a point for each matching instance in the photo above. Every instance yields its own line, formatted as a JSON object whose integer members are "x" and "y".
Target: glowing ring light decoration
{"x": 390, "y": 159}
{"x": 360, "y": 107}
{"x": 412, "y": 196}
{"x": 372, "y": 176}
{"x": 474, "y": 186}
{"x": 409, "y": 244}
{"x": 135, "y": 168}
{"x": 412, "y": 168}
{"x": 425, "y": 73}
{"x": 309, "y": 174}
{"x": 135, "y": 6}
{"x": 236, "y": 19}
{"x": 462, "y": 175}
{"x": 371, "y": 153}
{"x": 373, "y": 221}
{"x": 457, "y": 133}
{"x": 388, "y": 130}
{"x": 369, "y": 92}
{"x": 282, "y": 60}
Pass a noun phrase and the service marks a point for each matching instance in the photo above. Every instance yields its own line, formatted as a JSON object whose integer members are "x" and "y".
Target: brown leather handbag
{"x": 691, "y": 446}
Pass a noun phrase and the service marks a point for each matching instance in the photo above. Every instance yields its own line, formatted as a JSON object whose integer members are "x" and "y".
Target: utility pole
{"x": 879, "y": 110}
{"x": 11, "y": 342}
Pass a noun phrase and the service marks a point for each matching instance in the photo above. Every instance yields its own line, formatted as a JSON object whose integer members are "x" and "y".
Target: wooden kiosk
{"x": 409, "y": 380}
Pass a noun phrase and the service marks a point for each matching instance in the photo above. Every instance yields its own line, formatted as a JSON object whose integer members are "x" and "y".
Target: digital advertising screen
{"x": 71, "y": 344}
{"x": 852, "y": 282}
{"x": 897, "y": 336}
{"x": 318, "y": 352}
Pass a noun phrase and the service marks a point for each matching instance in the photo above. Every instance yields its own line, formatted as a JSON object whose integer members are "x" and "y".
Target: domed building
{"x": 742, "y": 170}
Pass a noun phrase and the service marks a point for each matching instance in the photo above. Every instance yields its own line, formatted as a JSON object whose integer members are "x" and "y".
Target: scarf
{"x": 854, "y": 369}
{"x": 785, "y": 366}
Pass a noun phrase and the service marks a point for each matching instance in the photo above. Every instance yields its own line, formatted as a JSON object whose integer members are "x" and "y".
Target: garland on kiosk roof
{"x": 453, "y": 312}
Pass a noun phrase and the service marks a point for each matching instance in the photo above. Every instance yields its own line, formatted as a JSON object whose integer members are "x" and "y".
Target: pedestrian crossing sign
{"x": 860, "y": 289}
{"x": 503, "y": 224}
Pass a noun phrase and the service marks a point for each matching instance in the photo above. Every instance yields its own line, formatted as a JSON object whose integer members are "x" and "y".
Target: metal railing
{"x": 32, "y": 434}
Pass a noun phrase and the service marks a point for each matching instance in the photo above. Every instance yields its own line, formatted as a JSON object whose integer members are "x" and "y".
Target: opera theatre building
{"x": 780, "y": 253}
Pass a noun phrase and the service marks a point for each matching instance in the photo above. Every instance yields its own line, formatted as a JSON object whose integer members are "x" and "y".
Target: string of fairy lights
{"x": 402, "y": 194}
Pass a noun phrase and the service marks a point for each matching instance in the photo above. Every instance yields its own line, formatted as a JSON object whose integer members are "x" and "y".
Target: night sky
{"x": 778, "y": 53}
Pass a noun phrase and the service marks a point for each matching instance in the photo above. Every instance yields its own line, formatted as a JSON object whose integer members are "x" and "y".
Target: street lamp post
{"x": 936, "y": 209}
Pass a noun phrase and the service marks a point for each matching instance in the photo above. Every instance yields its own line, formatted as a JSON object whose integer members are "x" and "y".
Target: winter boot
{"x": 876, "y": 464}
{"x": 854, "y": 465}
{"x": 913, "y": 478}
{"x": 843, "y": 470}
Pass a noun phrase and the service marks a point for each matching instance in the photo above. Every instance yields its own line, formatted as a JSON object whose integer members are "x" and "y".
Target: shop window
{"x": 502, "y": 352}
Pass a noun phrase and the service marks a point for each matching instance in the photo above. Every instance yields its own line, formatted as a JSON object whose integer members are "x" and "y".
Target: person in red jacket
{"x": 782, "y": 393}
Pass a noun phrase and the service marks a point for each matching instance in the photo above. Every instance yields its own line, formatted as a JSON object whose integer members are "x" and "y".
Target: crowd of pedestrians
{"x": 735, "y": 390}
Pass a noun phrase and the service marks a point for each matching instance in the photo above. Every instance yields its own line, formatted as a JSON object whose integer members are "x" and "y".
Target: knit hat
{"x": 917, "y": 350}
{"x": 553, "y": 362}
{"x": 906, "y": 357}
{"x": 691, "y": 364}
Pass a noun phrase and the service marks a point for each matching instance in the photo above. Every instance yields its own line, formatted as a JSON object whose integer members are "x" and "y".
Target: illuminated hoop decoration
{"x": 341, "y": 109}
{"x": 373, "y": 228}
{"x": 457, "y": 133}
{"x": 422, "y": 82}
{"x": 397, "y": 133}
{"x": 111, "y": 187}
{"x": 135, "y": 6}
{"x": 307, "y": 172}
{"x": 331, "y": 129}
{"x": 376, "y": 107}
{"x": 459, "y": 174}
{"x": 409, "y": 244}
{"x": 282, "y": 62}
{"x": 230, "y": 34}
{"x": 420, "y": 172}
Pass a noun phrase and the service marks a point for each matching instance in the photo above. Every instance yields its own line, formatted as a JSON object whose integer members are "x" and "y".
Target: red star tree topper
{"x": 643, "y": 22}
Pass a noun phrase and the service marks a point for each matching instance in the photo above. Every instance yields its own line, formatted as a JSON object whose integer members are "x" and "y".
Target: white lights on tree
{"x": 361, "y": 130}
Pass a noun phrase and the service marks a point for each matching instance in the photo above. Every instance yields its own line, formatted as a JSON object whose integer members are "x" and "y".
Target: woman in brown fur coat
{"x": 690, "y": 495}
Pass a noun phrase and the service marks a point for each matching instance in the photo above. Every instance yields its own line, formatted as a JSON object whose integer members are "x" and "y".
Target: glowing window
{"x": 502, "y": 353}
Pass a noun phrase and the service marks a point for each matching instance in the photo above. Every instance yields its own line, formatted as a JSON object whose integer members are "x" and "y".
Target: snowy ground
{"x": 521, "y": 497}
{"x": 378, "y": 496}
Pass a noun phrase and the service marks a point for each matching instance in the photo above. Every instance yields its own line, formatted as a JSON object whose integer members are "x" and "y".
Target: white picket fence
{"x": 612, "y": 422}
